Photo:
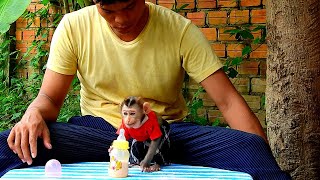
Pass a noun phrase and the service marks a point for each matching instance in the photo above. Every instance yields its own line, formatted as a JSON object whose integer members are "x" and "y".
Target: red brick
{"x": 54, "y": 10}
{"x": 239, "y": 17}
{"x": 258, "y": 16}
{"x": 21, "y": 23}
{"x": 256, "y": 34}
{"x": 39, "y": 6}
{"x": 259, "y": 51}
{"x": 18, "y": 35}
{"x": 24, "y": 50}
{"x": 36, "y": 22}
{"x": 191, "y": 4}
{"x": 234, "y": 50}
{"x": 210, "y": 33}
{"x": 253, "y": 101}
{"x": 217, "y": 17}
{"x": 227, "y": 3}
{"x": 222, "y": 36}
{"x": 21, "y": 44}
{"x": 206, "y": 4}
{"x": 263, "y": 68}
{"x": 198, "y": 18}
{"x": 51, "y": 31}
{"x": 207, "y": 101}
{"x": 167, "y": 3}
{"x": 258, "y": 85}
{"x": 249, "y": 67}
{"x": 264, "y": 2}
{"x": 31, "y": 8}
{"x": 44, "y": 23}
{"x": 28, "y": 34}
{"x": 216, "y": 114}
{"x": 241, "y": 84}
{"x": 219, "y": 49}
{"x": 245, "y": 3}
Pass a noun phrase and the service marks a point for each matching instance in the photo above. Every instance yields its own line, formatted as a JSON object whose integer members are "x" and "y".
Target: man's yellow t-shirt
{"x": 151, "y": 66}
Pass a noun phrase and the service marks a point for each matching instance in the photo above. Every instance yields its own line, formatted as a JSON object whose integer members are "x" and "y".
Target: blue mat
{"x": 99, "y": 170}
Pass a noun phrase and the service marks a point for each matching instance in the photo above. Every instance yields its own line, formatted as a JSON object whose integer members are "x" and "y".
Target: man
{"x": 127, "y": 47}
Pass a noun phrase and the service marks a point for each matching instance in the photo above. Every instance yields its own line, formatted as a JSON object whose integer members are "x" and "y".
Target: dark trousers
{"x": 88, "y": 138}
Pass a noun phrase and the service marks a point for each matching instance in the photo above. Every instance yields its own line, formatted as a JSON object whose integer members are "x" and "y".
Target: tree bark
{"x": 293, "y": 85}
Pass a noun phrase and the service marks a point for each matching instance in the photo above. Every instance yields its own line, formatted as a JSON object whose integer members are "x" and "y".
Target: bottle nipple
{"x": 121, "y": 141}
{"x": 121, "y": 135}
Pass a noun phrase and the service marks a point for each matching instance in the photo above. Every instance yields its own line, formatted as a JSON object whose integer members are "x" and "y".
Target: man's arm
{"x": 232, "y": 105}
{"x": 52, "y": 93}
{"x": 22, "y": 139}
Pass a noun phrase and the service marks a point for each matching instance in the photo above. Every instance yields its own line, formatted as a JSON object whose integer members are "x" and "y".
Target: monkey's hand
{"x": 145, "y": 163}
{"x": 145, "y": 166}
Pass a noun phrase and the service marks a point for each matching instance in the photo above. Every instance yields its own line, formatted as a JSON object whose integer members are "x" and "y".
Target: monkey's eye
{"x": 125, "y": 113}
{"x": 132, "y": 113}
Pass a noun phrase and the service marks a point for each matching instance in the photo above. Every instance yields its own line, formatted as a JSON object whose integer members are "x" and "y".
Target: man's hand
{"x": 22, "y": 139}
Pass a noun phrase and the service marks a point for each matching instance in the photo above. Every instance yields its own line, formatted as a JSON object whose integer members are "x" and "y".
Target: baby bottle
{"x": 119, "y": 157}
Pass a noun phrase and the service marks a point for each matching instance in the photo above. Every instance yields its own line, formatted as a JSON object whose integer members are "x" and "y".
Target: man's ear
{"x": 146, "y": 108}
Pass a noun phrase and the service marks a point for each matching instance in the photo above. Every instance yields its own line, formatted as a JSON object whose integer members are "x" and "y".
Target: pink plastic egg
{"x": 53, "y": 168}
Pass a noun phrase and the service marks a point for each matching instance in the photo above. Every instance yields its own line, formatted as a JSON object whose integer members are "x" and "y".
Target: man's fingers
{"x": 11, "y": 139}
{"x": 33, "y": 143}
{"x": 25, "y": 147}
{"x": 17, "y": 146}
{"x": 46, "y": 138}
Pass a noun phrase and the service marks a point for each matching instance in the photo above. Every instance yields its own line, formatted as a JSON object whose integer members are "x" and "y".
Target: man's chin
{"x": 123, "y": 31}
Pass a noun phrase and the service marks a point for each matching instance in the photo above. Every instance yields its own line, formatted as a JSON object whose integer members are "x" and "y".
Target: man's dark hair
{"x": 109, "y": 1}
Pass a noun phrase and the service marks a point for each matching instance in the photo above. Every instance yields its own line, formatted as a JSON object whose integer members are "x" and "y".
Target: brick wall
{"x": 213, "y": 17}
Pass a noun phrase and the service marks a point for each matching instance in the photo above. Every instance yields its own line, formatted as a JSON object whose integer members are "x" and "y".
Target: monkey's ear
{"x": 146, "y": 107}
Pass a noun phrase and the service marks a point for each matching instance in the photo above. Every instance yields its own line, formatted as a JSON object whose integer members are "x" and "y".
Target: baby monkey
{"x": 151, "y": 145}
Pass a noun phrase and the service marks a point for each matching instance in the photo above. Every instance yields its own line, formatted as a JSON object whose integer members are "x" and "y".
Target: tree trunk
{"x": 293, "y": 85}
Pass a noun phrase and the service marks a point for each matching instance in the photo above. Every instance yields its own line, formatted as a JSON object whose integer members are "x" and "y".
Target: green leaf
{"x": 245, "y": 34}
{"x": 246, "y": 50}
{"x": 232, "y": 31}
{"x": 236, "y": 61}
{"x": 260, "y": 27}
{"x": 81, "y": 3}
{"x": 201, "y": 121}
{"x": 10, "y": 11}
{"x": 256, "y": 40}
{"x": 16, "y": 115}
{"x": 232, "y": 72}
{"x": 183, "y": 6}
{"x": 45, "y": 2}
{"x": 216, "y": 122}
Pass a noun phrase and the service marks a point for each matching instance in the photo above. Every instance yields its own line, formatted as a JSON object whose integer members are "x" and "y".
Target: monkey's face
{"x": 132, "y": 116}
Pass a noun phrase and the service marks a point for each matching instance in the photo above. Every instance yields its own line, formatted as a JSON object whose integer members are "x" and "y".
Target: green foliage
{"x": 179, "y": 9}
{"x": 16, "y": 96}
{"x": 194, "y": 105}
{"x": 244, "y": 35}
{"x": 71, "y": 5}
{"x": 10, "y": 11}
